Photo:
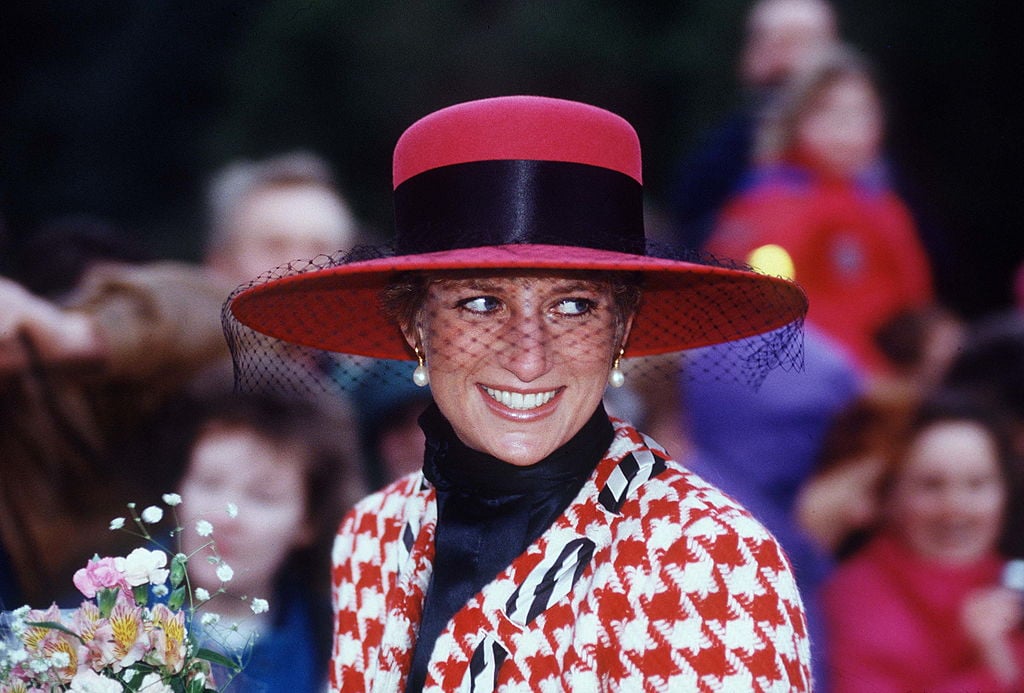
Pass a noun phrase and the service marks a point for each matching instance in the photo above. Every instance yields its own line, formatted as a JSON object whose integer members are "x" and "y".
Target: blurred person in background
{"x": 288, "y": 477}
{"x": 53, "y": 260}
{"x": 837, "y": 505}
{"x": 818, "y": 207}
{"x": 85, "y": 376}
{"x": 266, "y": 213}
{"x": 79, "y": 377}
{"x": 991, "y": 366}
{"x": 781, "y": 37}
{"x": 922, "y": 606}
{"x": 388, "y": 409}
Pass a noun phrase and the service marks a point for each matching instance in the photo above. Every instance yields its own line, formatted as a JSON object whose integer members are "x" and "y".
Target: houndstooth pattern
{"x": 670, "y": 587}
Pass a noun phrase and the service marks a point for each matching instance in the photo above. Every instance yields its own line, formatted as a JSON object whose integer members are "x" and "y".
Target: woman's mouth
{"x": 520, "y": 401}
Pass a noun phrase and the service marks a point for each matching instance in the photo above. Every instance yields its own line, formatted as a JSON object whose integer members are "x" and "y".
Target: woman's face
{"x": 266, "y": 483}
{"x": 842, "y": 129}
{"x": 518, "y": 364}
{"x": 948, "y": 498}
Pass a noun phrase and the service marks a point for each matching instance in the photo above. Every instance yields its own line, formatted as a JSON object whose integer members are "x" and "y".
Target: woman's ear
{"x": 413, "y": 333}
{"x": 624, "y": 327}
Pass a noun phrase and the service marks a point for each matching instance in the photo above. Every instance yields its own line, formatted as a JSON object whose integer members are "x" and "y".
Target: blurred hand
{"x": 989, "y": 616}
{"x": 839, "y": 501}
{"x": 56, "y": 334}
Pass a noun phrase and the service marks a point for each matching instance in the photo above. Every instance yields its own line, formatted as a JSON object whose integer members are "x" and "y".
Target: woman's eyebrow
{"x": 572, "y": 286}
{"x": 481, "y": 285}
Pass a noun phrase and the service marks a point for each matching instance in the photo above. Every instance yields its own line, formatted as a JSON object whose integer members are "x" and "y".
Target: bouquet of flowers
{"x": 139, "y": 628}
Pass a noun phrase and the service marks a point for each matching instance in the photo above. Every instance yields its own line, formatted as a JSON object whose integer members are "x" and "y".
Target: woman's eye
{"x": 480, "y": 304}
{"x": 574, "y": 306}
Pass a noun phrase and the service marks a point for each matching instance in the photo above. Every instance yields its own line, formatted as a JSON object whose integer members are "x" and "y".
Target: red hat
{"x": 518, "y": 182}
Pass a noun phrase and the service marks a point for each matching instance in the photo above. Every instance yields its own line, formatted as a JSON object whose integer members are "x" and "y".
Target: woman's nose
{"x": 526, "y": 348}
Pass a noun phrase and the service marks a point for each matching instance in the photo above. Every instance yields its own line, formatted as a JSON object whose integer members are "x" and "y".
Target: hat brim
{"x": 684, "y": 305}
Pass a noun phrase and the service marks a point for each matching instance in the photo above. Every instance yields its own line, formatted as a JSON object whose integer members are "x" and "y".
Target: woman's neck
{"x": 449, "y": 463}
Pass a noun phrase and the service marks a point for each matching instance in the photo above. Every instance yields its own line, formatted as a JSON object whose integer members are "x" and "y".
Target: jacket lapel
{"x": 566, "y": 551}
{"x": 404, "y": 604}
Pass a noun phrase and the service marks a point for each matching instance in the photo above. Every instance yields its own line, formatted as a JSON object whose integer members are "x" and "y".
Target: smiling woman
{"x": 927, "y": 603}
{"x": 544, "y": 544}
{"x": 518, "y": 363}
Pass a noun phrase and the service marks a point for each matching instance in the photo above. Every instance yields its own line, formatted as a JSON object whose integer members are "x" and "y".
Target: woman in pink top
{"x": 930, "y": 604}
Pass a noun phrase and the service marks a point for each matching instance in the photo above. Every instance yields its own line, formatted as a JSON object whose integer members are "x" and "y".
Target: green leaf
{"x": 133, "y": 676}
{"x": 105, "y": 600}
{"x": 177, "y": 598}
{"x": 55, "y": 626}
{"x": 178, "y": 566}
{"x": 217, "y": 658}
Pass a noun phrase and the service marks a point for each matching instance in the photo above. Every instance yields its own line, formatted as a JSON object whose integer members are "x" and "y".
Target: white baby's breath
{"x": 202, "y": 595}
{"x": 209, "y": 619}
{"x": 117, "y": 523}
{"x": 152, "y": 515}
{"x": 172, "y": 499}
{"x": 160, "y": 591}
{"x": 225, "y": 572}
{"x": 259, "y": 606}
{"x": 204, "y": 528}
{"x": 232, "y": 510}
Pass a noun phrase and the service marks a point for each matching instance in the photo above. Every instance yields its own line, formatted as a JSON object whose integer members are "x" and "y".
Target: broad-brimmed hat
{"x": 517, "y": 183}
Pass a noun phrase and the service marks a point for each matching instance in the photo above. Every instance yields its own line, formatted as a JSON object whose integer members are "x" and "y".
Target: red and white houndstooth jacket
{"x": 651, "y": 580}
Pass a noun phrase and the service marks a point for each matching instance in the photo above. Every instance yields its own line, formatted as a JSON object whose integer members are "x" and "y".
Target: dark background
{"x": 123, "y": 109}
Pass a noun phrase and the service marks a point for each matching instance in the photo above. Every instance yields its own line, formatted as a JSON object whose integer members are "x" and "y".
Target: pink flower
{"x": 99, "y": 573}
{"x": 44, "y": 642}
{"x": 167, "y": 637}
{"x": 120, "y": 640}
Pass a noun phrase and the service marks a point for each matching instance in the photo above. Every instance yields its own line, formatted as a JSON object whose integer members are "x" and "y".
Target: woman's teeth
{"x": 520, "y": 401}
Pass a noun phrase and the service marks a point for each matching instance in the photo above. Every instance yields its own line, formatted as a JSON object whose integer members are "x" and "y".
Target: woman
{"x": 921, "y": 606}
{"x": 818, "y": 207}
{"x": 543, "y": 545}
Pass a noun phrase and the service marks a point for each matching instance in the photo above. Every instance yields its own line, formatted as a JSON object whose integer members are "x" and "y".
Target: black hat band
{"x": 501, "y": 202}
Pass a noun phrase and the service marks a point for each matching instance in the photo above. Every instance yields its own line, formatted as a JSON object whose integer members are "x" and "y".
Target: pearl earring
{"x": 420, "y": 375}
{"x": 616, "y": 378}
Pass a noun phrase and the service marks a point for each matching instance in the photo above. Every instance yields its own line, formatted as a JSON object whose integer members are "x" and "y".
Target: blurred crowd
{"x": 890, "y": 467}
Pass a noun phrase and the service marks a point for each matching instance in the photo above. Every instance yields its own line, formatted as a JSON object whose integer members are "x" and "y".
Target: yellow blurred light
{"x": 773, "y": 260}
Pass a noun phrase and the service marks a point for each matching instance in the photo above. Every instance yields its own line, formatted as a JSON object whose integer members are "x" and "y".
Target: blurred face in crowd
{"x": 265, "y": 481}
{"x": 948, "y": 498}
{"x": 278, "y": 224}
{"x": 518, "y": 364}
{"x": 782, "y": 37}
{"x": 841, "y": 130}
